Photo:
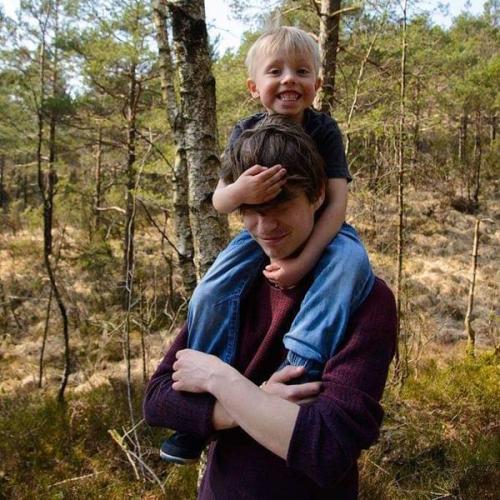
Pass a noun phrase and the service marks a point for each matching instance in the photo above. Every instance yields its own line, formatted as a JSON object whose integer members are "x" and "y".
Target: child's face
{"x": 285, "y": 84}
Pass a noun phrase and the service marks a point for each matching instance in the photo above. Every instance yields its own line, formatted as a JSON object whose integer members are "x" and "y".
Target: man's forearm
{"x": 221, "y": 420}
{"x": 269, "y": 419}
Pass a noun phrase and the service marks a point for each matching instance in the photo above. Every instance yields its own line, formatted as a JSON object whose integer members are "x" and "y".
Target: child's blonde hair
{"x": 290, "y": 40}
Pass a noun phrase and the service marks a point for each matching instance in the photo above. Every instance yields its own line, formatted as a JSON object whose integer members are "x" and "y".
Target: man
{"x": 277, "y": 440}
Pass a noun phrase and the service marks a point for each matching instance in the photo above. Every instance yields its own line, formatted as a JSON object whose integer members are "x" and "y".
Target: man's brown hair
{"x": 278, "y": 140}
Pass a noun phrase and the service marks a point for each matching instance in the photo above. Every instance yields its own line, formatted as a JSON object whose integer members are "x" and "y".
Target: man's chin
{"x": 272, "y": 253}
{"x": 276, "y": 253}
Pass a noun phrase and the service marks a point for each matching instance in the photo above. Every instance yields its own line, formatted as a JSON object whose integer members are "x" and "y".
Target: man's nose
{"x": 267, "y": 224}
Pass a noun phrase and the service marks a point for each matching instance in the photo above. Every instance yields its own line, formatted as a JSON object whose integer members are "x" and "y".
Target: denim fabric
{"x": 342, "y": 280}
{"x": 313, "y": 369}
{"x": 214, "y": 310}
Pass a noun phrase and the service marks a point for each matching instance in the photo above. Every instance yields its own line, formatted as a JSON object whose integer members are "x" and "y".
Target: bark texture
{"x": 3, "y": 195}
{"x": 401, "y": 364}
{"x": 197, "y": 109}
{"x": 128, "y": 250}
{"x": 469, "y": 331}
{"x": 98, "y": 181}
{"x": 328, "y": 44}
{"x": 478, "y": 158}
{"x": 184, "y": 237}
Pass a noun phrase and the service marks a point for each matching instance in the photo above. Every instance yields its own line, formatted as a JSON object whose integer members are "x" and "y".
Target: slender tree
{"x": 3, "y": 193}
{"x": 401, "y": 369}
{"x": 328, "y": 42}
{"x": 184, "y": 237}
{"x": 197, "y": 109}
{"x": 47, "y": 99}
{"x": 469, "y": 330}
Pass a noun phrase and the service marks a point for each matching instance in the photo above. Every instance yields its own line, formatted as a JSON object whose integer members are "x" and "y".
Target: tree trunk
{"x": 24, "y": 190}
{"x": 49, "y": 212}
{"x": 44, "y": 339}
{"x": 471, "y": 336}
{"x": 128, "y": 245}
{"x": 478, "y": 158}
{"x": 46, "y": 182}
{"x": 401, "y": 368}
{"x": 462, "y": 152}
{"x": 98, "y": 181}
{"x": 375, "y": 165}
{"x": 184, "y": 237}
{"x": 197, "y": 91}
{"x": 416, "y": 132}
{"x": 3, "y": 194}
{"x": 329, "y": 28}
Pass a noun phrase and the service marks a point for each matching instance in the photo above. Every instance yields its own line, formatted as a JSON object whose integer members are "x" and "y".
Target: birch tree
{"x": 184, "y": 237}
{"x": 197, "y": 112}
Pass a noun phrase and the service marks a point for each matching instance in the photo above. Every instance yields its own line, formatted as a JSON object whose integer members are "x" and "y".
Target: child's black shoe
{"x": 182, "y": 448}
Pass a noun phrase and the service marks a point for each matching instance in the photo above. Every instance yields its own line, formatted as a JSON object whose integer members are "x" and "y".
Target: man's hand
{"x": 259, "y": 184}
{"x": 193, "y": 370}
{"x": 298, "y": 394}
{"x": 286, "y": 272}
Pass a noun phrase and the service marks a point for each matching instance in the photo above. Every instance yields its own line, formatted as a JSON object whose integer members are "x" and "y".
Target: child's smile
{"x": 289, "y": 96}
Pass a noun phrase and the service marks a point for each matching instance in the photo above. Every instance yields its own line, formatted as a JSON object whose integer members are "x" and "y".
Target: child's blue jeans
{"x": 342, "y": 279}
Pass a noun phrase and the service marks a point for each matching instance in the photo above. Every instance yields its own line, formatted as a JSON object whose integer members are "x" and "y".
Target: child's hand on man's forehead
{"x": 259, "y": 184}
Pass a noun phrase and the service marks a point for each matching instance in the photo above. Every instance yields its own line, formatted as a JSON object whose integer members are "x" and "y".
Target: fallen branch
{"x": 119, "y": 441}
{"x": 131, "y": 455}
{"x": 107, "y": 209}
{"x": 79, "y": 478}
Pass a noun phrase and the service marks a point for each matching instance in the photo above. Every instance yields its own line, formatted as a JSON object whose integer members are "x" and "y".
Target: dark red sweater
{"x": 329, "y": 433}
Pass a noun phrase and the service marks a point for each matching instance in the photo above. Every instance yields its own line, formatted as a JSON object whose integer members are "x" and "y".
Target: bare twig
{"x": 157, "y": 227}
{"x": 79, "y": 478}
{"x": 131, "y": 456}
{"x": 107, "y": 209}
{"x": 119, "y": 441}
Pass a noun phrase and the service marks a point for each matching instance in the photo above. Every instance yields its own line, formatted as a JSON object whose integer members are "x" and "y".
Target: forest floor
{"x": 437, "y": 270}
{"x": 441, "y": 429}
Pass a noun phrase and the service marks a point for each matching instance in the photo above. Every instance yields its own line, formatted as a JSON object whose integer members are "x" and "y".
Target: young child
{"x": 283, "y": 66}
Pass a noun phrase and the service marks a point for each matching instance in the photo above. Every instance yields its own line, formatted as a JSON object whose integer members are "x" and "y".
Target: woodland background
{"x": 114, "y": 114}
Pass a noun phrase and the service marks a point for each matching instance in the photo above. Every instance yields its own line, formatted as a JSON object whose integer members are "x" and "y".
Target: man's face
{"x": 284, "y": 84}
{"x": 283, "y": 229}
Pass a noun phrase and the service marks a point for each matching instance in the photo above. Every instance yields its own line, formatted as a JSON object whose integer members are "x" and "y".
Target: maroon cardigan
{"x": 329, "y": 433}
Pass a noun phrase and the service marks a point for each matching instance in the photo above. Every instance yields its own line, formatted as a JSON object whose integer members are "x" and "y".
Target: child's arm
{"x": 288, "y": 272}
{"x": 256, "y": 185}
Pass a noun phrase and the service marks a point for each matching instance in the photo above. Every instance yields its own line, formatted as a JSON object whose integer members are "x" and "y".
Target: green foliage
{"x": 439, "y": 435}
{"x": 97, "y": 258}
{"x": 59, "y": 106}
{"x": 233, "y": 100}
{"x": 44, "y": 443}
